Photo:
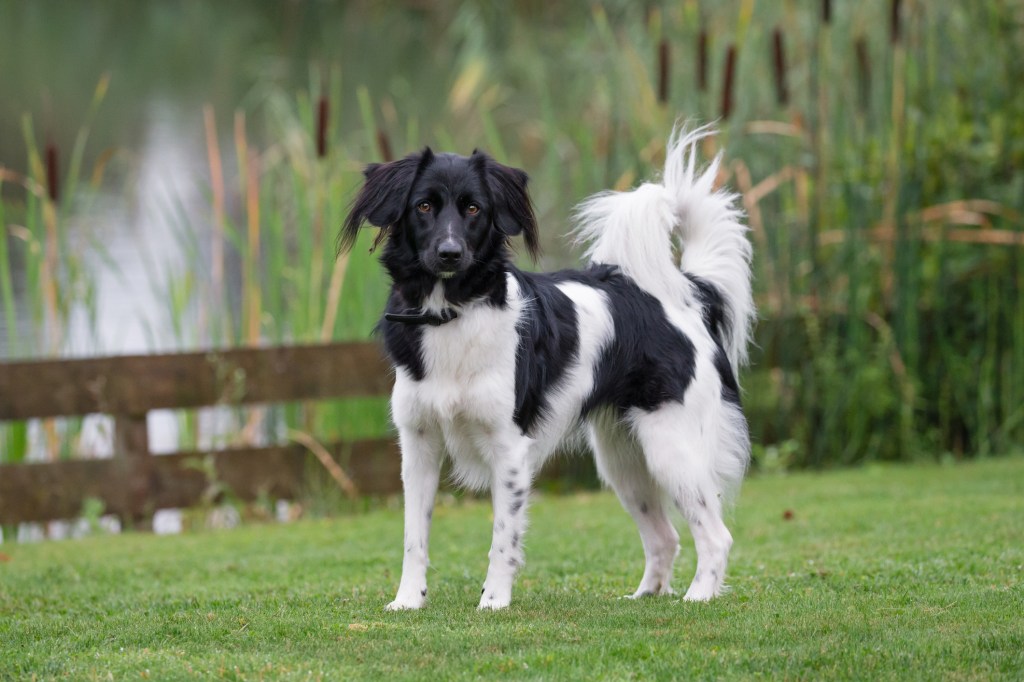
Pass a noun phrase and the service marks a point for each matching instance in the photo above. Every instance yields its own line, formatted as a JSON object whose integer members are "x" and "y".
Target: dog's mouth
{"x": 447, "y": 274}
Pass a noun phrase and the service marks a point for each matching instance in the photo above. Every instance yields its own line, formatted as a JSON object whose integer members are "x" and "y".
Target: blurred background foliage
{"x": 173, "y": 174}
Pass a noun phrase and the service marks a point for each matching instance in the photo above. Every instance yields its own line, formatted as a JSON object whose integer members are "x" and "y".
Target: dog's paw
{"x": 493, "y": 602}
{"x": 700, "y": 593}
{"x": 406, "y": 603}
{"x": 704, "y": 588}
{"x": 642, "y": 592}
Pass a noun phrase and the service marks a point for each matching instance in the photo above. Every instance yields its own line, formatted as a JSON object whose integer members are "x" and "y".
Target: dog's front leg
{"x": 510, "y": 491}
{"x": 421, "y": 468}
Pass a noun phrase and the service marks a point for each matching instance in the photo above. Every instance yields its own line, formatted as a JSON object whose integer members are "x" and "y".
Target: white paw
{"x": 406, "y": 603}
{"x": 699, "y": 593}
{"x": 645, "y": 592}
{"x": 493, "y": 602}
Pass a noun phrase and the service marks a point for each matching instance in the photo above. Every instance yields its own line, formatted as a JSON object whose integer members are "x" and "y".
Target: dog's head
{"x": 445, "y": 211}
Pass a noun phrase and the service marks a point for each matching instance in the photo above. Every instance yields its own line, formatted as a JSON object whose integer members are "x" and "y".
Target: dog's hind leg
{"x": 682, "y": 460}
{"x": 510, "y": 491}
{"x": 421, "y": 469}
{"x": 621, "y": 464}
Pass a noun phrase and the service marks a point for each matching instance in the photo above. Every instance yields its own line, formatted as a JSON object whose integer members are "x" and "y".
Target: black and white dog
{"x": 496, "y": 366}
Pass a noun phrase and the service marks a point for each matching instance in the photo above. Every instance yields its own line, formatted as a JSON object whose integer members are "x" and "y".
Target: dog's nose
{"x": 449, "y": 252}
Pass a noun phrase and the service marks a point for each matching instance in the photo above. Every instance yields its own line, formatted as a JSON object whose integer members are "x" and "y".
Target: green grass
{"x": 881, "y": 573}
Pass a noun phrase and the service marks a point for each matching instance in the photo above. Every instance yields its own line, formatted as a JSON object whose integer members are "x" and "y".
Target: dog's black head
{"x": 443, "y": 215}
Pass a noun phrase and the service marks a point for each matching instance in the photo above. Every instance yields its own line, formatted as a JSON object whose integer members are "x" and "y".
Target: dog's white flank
{"x": 641, "y": 354}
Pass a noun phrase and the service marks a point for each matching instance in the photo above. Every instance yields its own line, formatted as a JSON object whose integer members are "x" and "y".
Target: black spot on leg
{"x": 482, "y": 590}
{"x": 702, "y": 502}
{"x": 491, "y": 597}
{"x": 515, "y": 539}
{"x": 714, "y": 575}
{"x": 513, "y": 563}
{"x": 516, "y": 506}
{"x": 510, "y": 484}
{"x": 643, "y": 508}
{"x": 430, "y": 515}
{"x": 423, "y": 592}
{"x": 520, "y": 492}
{"x": 501, "y": 525}
{"x": 513, "y": 472}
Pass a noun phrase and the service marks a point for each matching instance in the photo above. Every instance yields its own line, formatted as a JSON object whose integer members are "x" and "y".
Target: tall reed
{"x": 884, "y": 193}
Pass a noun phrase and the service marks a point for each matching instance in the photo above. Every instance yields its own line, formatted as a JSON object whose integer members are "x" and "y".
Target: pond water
{"x": 164, "y": 62}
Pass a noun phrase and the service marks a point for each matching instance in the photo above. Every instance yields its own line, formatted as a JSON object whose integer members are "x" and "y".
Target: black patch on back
{"x": 650, "y": 361}
{"x": 730, "y": 387}
{"x": 712, "y": 308}
{"x": 548, "y": 344}
{"x": 713, "y": 311}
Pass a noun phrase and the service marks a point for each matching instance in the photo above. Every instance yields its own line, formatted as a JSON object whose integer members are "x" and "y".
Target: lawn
{"x": 875, "y": 573}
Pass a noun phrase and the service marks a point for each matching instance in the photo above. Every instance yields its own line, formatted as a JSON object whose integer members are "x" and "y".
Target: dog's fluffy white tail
{"x": 634, "y": 230}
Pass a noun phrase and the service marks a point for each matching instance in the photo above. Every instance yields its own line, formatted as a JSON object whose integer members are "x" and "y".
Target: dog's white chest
{"x": 469, "y": 369}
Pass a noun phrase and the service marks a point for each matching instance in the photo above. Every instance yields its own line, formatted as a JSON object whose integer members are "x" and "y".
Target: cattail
{"x": 702, "y": 61}
{"x": 663, "y": 68}
{"x": 895, "y": 22}
{"x": 779, "y": 61}
{"x": 52, "y": 172}
{"x": 384, "y": 146}
{"x": 863, "y": 72}
{"x": 730, "y": 69}
{"x": 826, "y": 11}
{"x": 322, "y": 112}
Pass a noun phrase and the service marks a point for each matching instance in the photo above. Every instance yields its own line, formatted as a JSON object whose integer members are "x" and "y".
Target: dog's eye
{"x": 472, "y": 209}
{"x": 423, "y": 207}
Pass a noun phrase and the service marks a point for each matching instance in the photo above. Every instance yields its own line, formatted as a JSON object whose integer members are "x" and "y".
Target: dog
{"x": 496, "y": 366}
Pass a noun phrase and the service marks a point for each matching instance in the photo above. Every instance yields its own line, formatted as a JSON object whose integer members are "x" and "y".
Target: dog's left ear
{"x": 513, "y": 211}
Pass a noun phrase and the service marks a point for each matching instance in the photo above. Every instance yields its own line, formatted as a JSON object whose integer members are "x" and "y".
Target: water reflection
{"x": 165, "y": 62}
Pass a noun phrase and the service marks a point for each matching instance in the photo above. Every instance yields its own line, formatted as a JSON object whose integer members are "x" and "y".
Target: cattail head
{"x": 730, "y": 71}
{"x": 779, "y": 63}
{"x": 384, "y": 146}
{"x": 52, "y": 172}
{"x": 896, "y": 29}
{"x": 663, "y": 71}
{"x": 702, "y": 60}
{"x": 322, "y": 113}
{"x": 863, "y": 72}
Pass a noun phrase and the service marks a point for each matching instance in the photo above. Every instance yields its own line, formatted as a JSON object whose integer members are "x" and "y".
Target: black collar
{"x": 412, "y": 317}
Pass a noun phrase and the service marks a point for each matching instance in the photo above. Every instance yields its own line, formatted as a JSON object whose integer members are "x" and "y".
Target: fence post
{"x": 131, "y": 447}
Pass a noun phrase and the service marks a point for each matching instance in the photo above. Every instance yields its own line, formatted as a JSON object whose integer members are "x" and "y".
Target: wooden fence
{"x": 134, "y": 483}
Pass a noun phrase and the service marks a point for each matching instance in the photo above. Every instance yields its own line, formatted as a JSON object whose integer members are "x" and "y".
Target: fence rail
{"x": 133, "y": 482}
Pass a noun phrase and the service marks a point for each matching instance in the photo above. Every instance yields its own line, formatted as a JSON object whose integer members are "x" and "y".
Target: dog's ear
{"x": 513, "y": 211}
{"x": 383, "y": 197}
